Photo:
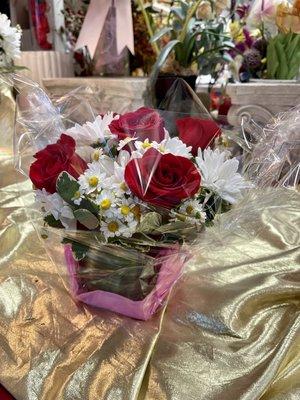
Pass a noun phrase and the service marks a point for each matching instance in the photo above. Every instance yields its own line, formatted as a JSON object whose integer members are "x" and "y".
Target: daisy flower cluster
{"x": 10, "y": 42}
{"x": 125, "y": 176}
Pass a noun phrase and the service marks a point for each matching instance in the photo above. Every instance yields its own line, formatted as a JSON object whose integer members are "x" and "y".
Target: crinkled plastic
{"x": 134, "y": 275}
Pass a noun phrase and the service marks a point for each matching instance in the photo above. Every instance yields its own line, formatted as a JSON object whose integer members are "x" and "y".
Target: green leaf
{"x": 272, "y": 60}
{"x": 178, "y": 11}
{"x": 79, "y": 250}
{"x": 86, "y": 218}
{"x": 150, "y": 222}
{"x": 165, "y": 53}
{"x": 51, "y": 221}
{"x": 160, "y": 33}
{"x": 282, "y": 71}
{"x": 294, "y": 66}
{"x": 66, "y": 186}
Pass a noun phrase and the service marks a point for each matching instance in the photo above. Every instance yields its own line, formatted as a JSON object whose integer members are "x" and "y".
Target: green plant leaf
{"x": 160, "y": 33}
{"x": 178, "y": 11}
{"x": 272, "y": 60}
{"x": 86, "y": 218}
{"x": 282, "y": 71}
{"x": 66, "y": 186}
{"x": 294, "y": 66}
{"x": 79, "y": 250}
{"x": 150, "y": 222}
{"x": 165, "y": 53}
{"x": 51, "y": 221}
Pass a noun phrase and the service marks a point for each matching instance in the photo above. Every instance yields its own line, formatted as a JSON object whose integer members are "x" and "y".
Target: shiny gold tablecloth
{"x": 230, "y": 331}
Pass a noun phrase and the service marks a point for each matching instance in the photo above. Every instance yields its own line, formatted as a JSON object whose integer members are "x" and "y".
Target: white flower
{"x": 55, "y": 205}
{"x": 10, "y": 39}
{"x": 124, "y": 209}
{"x": 93, "y": 132}
{"x": 106, "y": 200}
{"x": 117, "y": 181}
{"x": 220, "y": 175}
{"x": 124, "y": 142}
{"x": 113, "y": 227}
{"x": 169, "y": 145}
{"x": 93, "y": 178}
{"x": 192, "y": 208}
{"x": 174, "y": 146}
{"x": 78, "y": 196}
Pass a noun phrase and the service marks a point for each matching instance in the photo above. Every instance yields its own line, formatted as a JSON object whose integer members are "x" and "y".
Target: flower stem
{"x": 149, "y": 27}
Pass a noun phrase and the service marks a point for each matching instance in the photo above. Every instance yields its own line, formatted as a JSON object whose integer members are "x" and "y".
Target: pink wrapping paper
{"x": 170, "y": 272}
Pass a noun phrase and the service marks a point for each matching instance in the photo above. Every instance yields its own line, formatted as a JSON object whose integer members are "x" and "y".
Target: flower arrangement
{"x": 191, "y": 39}
{"x": 267, "y": 40}
{"x": 128, "y": 196}
{"x": 10, "y": 42}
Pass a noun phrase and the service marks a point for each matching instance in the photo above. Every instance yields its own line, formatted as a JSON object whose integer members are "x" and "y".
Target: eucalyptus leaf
{"x": 86, "y": 218}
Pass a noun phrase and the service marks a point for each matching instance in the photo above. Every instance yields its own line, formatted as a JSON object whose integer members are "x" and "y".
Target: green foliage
{"x": 86, "y": 218}
{"x": 51, "y": 221}
{"x": 79, "y": 250}
{"x": 283, "y": 56}
{"x": 66, "y": 187}
{"x": 149, "y": 222}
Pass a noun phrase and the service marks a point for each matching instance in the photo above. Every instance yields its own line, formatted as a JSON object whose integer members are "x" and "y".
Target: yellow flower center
{"x": 189, "y": 209}
{"x": 93, "y": 181}
{"x": 77, "y": 195}
{"x": 125, "y": 210}
{"x": 146, "y": 145}
{"x": 96, "y": 155}
{"x": 113, "y": 226}
{"x": 123, "y": 186}
{"x": 105, "y": 204}
{"x": 162, "y": 149}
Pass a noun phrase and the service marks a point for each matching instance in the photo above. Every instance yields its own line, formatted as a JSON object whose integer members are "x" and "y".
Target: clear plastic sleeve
{"x": 124, "y": 200}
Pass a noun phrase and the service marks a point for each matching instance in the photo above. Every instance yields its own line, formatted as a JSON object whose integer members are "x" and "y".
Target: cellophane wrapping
{"x": 177, "y": 187}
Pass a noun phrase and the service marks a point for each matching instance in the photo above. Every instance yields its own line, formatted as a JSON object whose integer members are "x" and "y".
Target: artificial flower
{"x": 197, "y": 132}
{"x": 162, "y": 179}
{"x": 54, "y": 159}
{"x": 93, "y": 132}
{"x": 219, "y": 174}
{"x": 142, "y": 123}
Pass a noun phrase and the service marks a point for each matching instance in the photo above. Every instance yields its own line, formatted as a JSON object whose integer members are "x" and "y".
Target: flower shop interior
{"x": 149, "y": 199}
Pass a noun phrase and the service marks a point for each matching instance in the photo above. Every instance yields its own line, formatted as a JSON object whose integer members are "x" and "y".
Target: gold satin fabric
{"x": 230, "y": 330}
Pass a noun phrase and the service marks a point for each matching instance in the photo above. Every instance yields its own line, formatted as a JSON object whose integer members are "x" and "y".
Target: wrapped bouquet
{"x": 125, "y": 196}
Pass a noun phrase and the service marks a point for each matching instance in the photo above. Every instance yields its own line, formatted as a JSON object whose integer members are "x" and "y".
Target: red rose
{"x": 54, "y": 159}
{"x": 196, "y": 132}
{"x": 162, "y": 179}
{"x": 143, "y": 123}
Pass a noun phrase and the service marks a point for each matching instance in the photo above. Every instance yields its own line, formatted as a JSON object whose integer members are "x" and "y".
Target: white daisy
{"x": 124, "y": 142}
{"x": 93, "y": 178}
{"x": 129, "y": 229}
{"x": 106, "y": 201}
{"x": 219, "y": 174}
{"x": 192, "y": 208}
{"x": 10, "y": 40}
{"x": 93, "y": 132}
{"x": 111, "y": 227}
{"x": 141, "y": 148}
{"x": 174, "y": 146}
{"x": 55, "y": 205}
{"x": 117, "y": 181}
{"x": 78, "y": 196}
{"x": 125, "y": 209}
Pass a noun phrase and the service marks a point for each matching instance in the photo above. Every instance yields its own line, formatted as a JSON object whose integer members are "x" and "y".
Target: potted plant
{"x": 268, "y": 63}
{"x": 191, "y": 40}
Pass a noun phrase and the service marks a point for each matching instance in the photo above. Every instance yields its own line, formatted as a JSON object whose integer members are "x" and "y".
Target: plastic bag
{"x": 125, "y": 199}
